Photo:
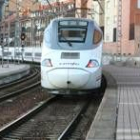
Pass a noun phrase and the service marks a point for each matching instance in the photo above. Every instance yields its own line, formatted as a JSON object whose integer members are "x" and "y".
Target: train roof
{"x": 72, "y": 18}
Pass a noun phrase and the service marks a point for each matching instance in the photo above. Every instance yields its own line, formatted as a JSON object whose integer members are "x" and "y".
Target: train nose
{"x": 68, "y": 78}
{"x": 77, "y": 78}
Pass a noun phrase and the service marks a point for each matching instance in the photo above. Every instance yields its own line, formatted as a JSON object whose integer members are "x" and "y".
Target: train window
{"x": 73, "y": 23}
{"x": 72, "y": 31}
{"x": 72, "y": 34}
{"x": 97, "y": 36}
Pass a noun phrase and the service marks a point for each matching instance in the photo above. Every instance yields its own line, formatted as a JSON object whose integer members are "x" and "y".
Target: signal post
{"x": 22, "y": 37}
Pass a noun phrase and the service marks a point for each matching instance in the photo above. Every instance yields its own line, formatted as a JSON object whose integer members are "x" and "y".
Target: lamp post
{"x": 17, "y": 32}
{"x": 5, "y": 33}
{"x": 1, "y": 9}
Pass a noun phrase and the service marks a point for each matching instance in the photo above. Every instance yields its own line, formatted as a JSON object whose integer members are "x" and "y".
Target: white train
{"x": 71, "y": 56}
{"x": 29, "y": 54}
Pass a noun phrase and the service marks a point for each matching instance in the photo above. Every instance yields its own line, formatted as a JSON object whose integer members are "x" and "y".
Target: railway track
{"x": 25, "y": 78}
{"x": 12, "y": 125}
{"x": 17, "y": 102}
{"x": 80, "y": 129}
{"x": 15, "y": 88}
{"x": 55, "y": 120}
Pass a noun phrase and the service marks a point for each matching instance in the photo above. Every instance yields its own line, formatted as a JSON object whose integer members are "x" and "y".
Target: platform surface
{"x": 122, "y": 122}
{"x": 8, "y": 69}
{"x": 12, "y": 72}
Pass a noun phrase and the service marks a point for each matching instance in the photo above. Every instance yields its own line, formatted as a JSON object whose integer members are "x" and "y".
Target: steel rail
{"x": 74, "y": 122}
{"x": 13, "y": 94}
{"x": 19, "y": 80}
{"x": 14, "y": 124}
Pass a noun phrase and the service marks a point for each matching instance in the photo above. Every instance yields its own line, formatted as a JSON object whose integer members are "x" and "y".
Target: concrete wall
{"x": 128, "y": 48}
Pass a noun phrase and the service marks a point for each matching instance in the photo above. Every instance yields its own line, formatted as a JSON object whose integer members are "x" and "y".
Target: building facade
{"x": 127, "y": 16}
{"x": 3, "y": 3}
{"x": 33, "y": 17}
{"x": 119, "y": 19}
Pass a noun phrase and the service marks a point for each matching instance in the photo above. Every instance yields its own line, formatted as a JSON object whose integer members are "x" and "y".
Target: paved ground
{"x": 12, "y": 72}
{"x": 128, "y": 117}
{"x": 12, "y": 68}
{"x": 118, "y": 115}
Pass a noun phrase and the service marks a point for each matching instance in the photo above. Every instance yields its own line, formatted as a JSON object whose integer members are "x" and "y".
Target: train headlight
{"x": 47, "y": 63}
{"x": 92, "y": 63}
{"x": 97, "y": 36}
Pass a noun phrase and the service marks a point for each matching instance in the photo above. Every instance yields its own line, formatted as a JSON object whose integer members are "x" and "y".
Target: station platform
{"x": 11, "y": 72}
{"x": 118, "y": 116}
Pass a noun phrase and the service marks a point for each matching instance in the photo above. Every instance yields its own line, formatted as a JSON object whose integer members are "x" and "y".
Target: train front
{"x": 71, "y": 56}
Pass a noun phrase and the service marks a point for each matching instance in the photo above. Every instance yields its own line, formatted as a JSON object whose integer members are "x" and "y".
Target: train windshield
{"x": 72, "y": 31}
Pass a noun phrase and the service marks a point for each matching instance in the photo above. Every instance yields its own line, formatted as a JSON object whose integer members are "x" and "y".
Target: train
{"x": 71, "y": 56}
{"x": 17, "y": 54}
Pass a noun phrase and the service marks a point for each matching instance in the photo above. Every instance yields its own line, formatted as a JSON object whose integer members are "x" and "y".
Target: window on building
{"x": 131, "y": 32}
{"x": 138, "y": 4}
{"x": 102, "y": 28}
{"x": 114, "y": 35}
